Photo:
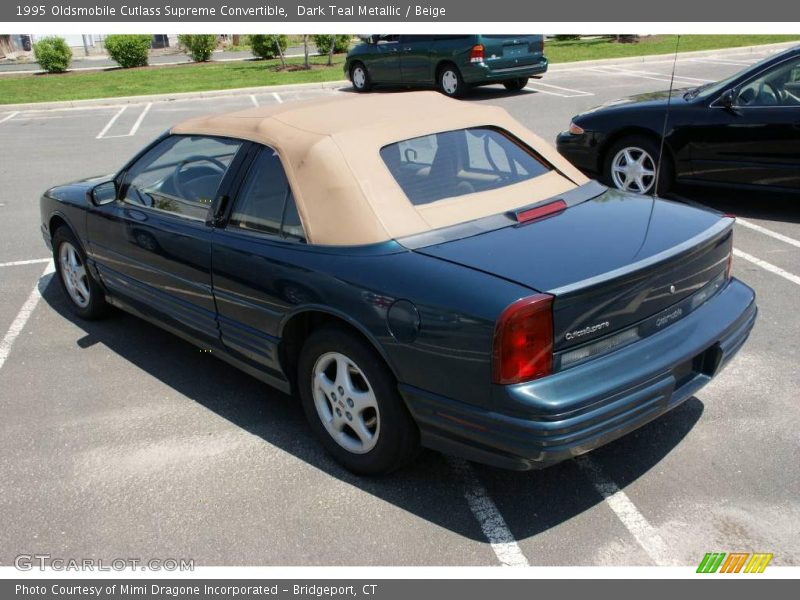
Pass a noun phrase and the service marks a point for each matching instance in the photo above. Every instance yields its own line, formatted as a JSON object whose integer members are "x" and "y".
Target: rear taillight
{"x": 476, "y": 54}
{"x": 523, "y": 341}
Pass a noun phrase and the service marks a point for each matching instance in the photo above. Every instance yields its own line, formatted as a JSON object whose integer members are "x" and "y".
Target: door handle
{"x": 406, "y": 49}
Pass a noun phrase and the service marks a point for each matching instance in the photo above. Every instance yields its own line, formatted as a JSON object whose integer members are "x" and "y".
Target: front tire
{"x": 84, "y": 295}
{"x": 360, "y": 77}
{"x": 450, "y": 82}
{"x": 631, "y": 164}
{"x": 351, "y": 401}
{"x": 515, "y": 85}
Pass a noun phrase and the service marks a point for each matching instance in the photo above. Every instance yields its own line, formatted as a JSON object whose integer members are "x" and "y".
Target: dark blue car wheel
{"x": 351, "y": 401}
{"x": 85, "y": 297}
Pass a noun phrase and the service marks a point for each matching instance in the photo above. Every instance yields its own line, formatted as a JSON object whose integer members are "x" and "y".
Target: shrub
{"x": 341, "y": 43}
{"x": 129, "y": 50}
{"x": 52, "y": 54}
{"x": 564, "y": 37}
{"x": 199, "y": 46}
{"x": 265, "y": 46}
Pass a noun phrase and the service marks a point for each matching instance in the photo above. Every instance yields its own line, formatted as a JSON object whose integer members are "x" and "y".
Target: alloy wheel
{"x": 633, "y": 170}
{"x": 346, "y": 403}
{"x": 73, "y": 274}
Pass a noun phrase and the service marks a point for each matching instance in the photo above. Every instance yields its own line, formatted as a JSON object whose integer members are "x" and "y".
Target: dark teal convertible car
{"x": 420, "y": 272}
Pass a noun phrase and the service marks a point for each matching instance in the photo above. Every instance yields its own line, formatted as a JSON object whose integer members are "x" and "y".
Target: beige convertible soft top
{"x": 345, "y": 194}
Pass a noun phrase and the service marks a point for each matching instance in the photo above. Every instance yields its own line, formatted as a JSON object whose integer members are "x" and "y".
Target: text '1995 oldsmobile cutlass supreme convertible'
{"x": 419, "y": 271}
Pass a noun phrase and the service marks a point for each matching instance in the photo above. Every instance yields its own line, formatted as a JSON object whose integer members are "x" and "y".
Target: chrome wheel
{"x": 345, "y": 403}
{"x": 359, "y": 77}
{"x": 449, "y": 82}
{"x": 633, "y": 170}
{"x": 73, "y": 274}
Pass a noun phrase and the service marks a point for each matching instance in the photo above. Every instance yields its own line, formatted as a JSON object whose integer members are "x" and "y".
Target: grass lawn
{"x": 80, "y": 85}
{"x": 561, "y": 51}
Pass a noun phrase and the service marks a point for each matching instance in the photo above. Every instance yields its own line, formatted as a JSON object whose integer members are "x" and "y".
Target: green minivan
{"x": 453, "y": 63}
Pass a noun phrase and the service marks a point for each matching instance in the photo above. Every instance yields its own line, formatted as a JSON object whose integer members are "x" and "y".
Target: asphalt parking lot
{"x": 120, "y": 440}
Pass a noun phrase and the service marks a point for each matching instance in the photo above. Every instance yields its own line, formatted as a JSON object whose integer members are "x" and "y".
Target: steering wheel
{"x": 767, "y": 97}
{"x": 176, "y": 174}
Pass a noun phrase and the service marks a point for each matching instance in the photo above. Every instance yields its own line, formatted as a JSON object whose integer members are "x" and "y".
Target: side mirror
{"x": 103, "y": 193}
{"x": 727, "y": 98}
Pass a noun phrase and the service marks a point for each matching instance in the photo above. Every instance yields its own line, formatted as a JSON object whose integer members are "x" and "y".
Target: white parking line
{"x": 626, "y": 511}
{"x": 111, "y": 122}
{"x": 489, "y": 518}
{"x": 773, "y": 234}
{"x": 19, "y": 263}
{"x": 719, "y": 61}
{"x": 9, "y": 116}
{"x": 767, "y": 266}
{"x": 18, "y": 324}
{"x": 134, "y": 128}
{"x": 639, "y": 75}
{"x": 573, "y": 92}
{"x": 640, "y": 72}
{"x": 138, "y": 122}
{"x": 254, "y": 99}
{"x": 277, "y": 97}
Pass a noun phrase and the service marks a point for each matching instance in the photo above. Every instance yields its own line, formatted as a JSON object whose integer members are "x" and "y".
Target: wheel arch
{"x": 296, "y": 327}
{"x": 59, "y": 219}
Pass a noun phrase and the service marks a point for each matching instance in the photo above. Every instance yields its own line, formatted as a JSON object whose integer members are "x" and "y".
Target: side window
{"x": 180, "y": 175}
{"x": 779, "y": 86}
{"x": 265, "y": 203}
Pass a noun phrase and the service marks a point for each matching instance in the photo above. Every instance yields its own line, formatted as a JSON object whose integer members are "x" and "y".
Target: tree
{"x": 305, "y": 52}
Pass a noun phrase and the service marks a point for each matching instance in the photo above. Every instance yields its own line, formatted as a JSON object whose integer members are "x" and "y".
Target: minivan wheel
{"x": 360, "y": 77}
{"x": 85, "y": 296}
{"x": 351, "y": 401}
{"x": 631, "y": 165}
{"x": 515, "y": 85}
{"x": 450, "y": 81}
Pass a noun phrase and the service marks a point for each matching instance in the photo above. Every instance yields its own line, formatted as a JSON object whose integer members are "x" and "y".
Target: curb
{"x": 580, "y": 64}
{"x": 337, "y": 84}
{"x": 171, "y": 97}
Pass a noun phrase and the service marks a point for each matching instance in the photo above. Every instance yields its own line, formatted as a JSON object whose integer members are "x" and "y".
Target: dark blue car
{"x": 419, "y": 271}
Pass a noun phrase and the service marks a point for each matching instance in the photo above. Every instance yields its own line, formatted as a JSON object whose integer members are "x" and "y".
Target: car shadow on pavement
{"x": 531, "y": 502}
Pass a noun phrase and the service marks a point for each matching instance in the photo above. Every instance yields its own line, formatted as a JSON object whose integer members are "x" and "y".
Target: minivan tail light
{"x": 523, "y": 341}
{"x": 476, "y": 54}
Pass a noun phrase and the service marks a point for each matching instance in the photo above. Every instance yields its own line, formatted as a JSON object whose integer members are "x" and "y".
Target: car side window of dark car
{"x": 266, "y": 203}
{"x": 179, "y": 175}
{"x": 779, "y": 86}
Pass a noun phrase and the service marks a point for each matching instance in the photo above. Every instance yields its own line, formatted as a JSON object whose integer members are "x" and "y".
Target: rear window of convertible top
{"x": 454, "y": 163}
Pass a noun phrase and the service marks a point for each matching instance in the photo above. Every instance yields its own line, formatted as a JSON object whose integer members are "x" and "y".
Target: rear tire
{"x": 359, "y": 76}
{"x": 84, "y": 295}
{"x": 450, "y": 82}
{"x": 630, "y": 164}
{"x": 351, "y": 401}
{"x": 515, "y": 85}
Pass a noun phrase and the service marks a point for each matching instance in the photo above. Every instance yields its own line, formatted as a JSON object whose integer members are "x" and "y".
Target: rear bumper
{"x": 477, "y": 73}
{"x": 543, "y": 422}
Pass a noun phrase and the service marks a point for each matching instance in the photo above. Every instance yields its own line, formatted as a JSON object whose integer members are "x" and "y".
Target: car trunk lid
{"x": 610, "y": 262}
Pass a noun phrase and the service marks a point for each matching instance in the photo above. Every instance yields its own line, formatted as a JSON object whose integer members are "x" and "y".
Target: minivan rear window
{"x": 456, "y": 163}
